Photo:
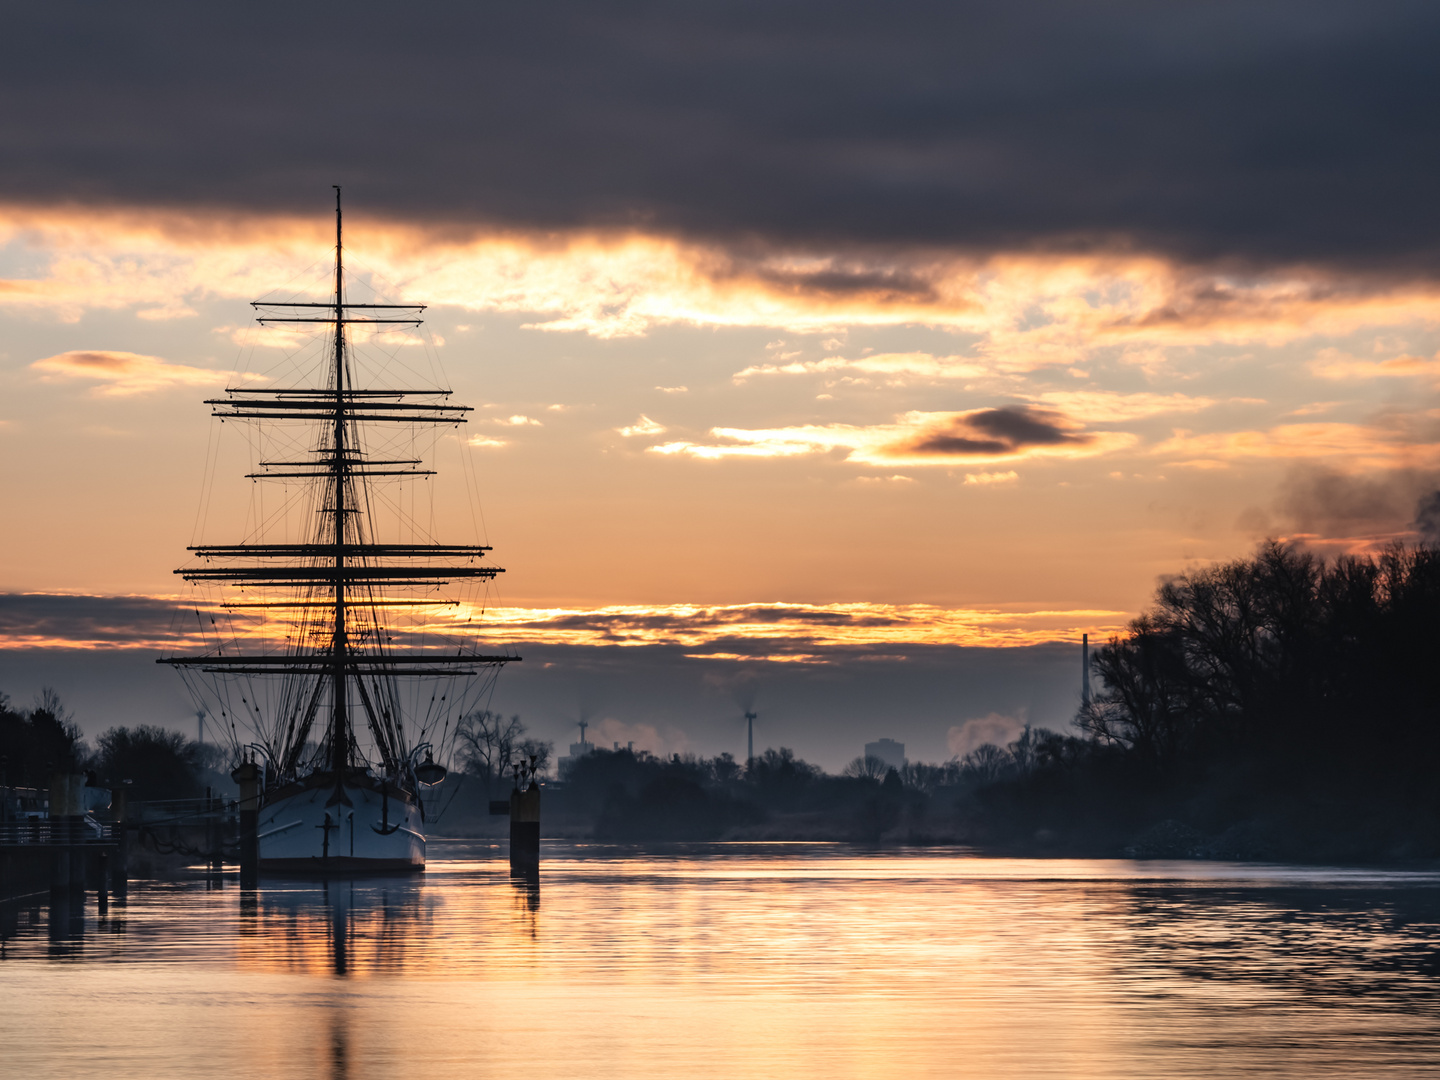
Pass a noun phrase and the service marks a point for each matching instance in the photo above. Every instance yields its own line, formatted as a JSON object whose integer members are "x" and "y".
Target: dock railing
{"x": 57, "y": 831}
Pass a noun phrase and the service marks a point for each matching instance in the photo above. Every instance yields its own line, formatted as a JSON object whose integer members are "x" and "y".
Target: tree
{"x": 490, "y": 744}
{"x": 1282, "y": 665}
{"x": 487, "y": 743}
{"x": 985, "y": 764}
{"x": 37, "y": 743}
{"x": 538, "y": 750}
{"x": 155, "y": 763}
{"x": 866, "y": 767}
{"x": 725, "y": 769}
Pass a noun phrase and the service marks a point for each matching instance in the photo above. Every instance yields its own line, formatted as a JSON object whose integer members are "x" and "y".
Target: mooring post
{"x": 247, "y": 775}
{"x": 120, "y": 871}
{"x": 209, "y": 842}
{"x": 525, "y": 828}
{"x": 61, "y": 840}
{"x": 102, "y": 898}
{"x": 215, "y": 832}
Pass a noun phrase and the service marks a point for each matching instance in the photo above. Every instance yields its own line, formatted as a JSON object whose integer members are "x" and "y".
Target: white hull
{"x": 314, "y": 830}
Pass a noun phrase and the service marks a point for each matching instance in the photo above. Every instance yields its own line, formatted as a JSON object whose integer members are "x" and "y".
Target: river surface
{"x": 775, "y": 960}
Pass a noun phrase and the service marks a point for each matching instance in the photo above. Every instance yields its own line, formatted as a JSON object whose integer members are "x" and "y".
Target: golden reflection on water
{"x": 739, "y": 961}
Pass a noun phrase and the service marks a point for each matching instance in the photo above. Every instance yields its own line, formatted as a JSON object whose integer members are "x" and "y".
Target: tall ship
{"x": 337, "y": 642}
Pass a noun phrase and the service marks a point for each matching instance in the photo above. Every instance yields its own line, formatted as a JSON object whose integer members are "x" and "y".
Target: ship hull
{"x": 356, "y": 826}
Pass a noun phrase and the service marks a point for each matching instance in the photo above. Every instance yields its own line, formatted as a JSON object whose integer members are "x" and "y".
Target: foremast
{"x": 347, "y": 559}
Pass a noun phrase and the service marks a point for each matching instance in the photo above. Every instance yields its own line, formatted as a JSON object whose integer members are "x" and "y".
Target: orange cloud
{"x": 643, "y": 426}
{"x": 989, "y": 479}
{"x": 1347, "y": 446}
{"x": 1334, "y": 364}
{"x": 778, "y": 631}
{"x": 1027, "y": 311}
{"x": 893, "y": 366}
{"x": 1100, "y": 407}
{"x": 123, "y": 373}
{"x": 979, "y": 436}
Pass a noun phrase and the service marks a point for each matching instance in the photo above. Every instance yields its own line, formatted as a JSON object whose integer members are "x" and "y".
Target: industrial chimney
{"x": 1085, "y": 670}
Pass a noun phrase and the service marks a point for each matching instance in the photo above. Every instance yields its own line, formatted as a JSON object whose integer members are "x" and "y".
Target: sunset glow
{"x": 695, "y": 427}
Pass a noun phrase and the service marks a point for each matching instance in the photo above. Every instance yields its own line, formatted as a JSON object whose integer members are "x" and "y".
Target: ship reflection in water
{"x": 726, "y": 961}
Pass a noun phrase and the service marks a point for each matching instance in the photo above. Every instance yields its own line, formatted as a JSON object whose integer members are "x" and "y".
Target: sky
{"x": 855, "y": 357}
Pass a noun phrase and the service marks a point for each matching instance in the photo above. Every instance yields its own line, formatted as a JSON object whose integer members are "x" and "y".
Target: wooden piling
{"x": 66, "y": 825}
{"x": 525, "y": 829}
{"x": 247, "y": 775}
{"x": 120, "y": 868}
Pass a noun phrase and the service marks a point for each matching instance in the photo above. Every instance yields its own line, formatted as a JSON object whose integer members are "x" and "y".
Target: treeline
{"x": 986, "y": 798}
{"x": 151, "y": 762}
{"x": 1284, "y": 704}
{"x": 1277, "y": 706}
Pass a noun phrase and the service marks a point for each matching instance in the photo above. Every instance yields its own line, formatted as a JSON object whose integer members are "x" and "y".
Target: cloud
{"x": 69, "y": 620}
{"x": 486, "y": 442}
{"x": 1025, "y": 310}
{"x": 1410, "y": 442}
{"x": 897, "y": 367}
{"x": 997, "y": 432}
{"x": 1334, "y": 364}
{"x": 760, "y": 631}
{"x": 1102, "y": 407}
{"x": 1427, "y": 518}
{"x": 917, "y": 438}
{"x": 643, "y": 426}
{"x": 991, "y": 479}
{"x": 1205, "y": 131}
{"x": 673, "y": 389}
{"x": 124, "y": 373}
{"x": 517, "y": 421}
{"x": 778, "y": 629}
{"x": 1324, "y": 505}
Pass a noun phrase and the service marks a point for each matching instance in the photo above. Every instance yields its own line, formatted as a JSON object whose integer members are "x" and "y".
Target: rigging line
{"x": 470, "y": 473}
{"x": 314, "y": 267}
{"x": 212, "y": 439}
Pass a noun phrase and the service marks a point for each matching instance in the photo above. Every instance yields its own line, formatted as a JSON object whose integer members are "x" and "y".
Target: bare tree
{"x": 725, "y": 768}
{"x": 929, "y": 778}
{"x": 867, "y": 767}
{"x": 1023, "y": 752}
{"x": 48, "y": 701}
{"x": 985, "y": 764}
{"x": 488, "y": 743}
{"x": 538, "y": 750}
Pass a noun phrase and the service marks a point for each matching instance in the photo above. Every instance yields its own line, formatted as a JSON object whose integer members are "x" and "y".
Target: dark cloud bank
{"x": 826, "y": 711}
{"x": 1259, "y": 130}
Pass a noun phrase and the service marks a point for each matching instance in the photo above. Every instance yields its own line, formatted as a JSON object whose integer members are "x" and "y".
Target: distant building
{"x": 577, "y": 751}
{"x": 888, "y": 751}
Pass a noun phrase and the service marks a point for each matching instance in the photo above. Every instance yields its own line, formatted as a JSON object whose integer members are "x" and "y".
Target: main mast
{"x": 339, "y": 724}
{"x": 345, "y": 560}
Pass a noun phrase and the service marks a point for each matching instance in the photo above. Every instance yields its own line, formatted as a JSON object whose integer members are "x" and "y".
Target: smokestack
{"x": 1085, "y": 670}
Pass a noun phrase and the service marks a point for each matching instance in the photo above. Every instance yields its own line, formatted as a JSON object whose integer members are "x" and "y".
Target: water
{"x": 739, "y": 961}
